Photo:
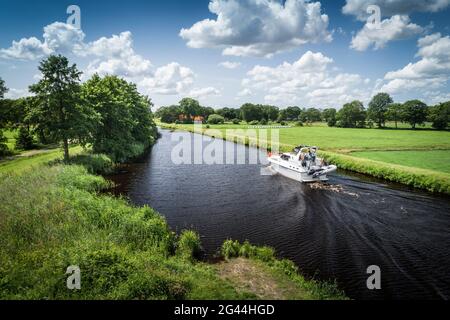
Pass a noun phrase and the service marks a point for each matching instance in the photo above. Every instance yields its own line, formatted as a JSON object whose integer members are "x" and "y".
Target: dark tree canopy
{"x": 378, "y": 108}
{"x": 3, "y": 146}
{"x": 251, "y": 112}
{"x": 124, "y": 126}
{"x": 169, "y": 114}
{"x": 415, "y": 112}
{"x": 190, "y": 107}
{"x": 3, "y": 88}
{"x": 352, "y": 115}
{"x": 329, "y": 115}
{"x": 394, "y": 113}
{"x": 440, "y": 115}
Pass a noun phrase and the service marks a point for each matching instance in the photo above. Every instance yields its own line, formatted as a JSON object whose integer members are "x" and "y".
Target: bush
{"x": 283, "y": 123}
{"x": 77, "y": 177}
{"x": 25, "y": 140}
{"x": 263, "y": 122}
{"x": 230, "y": 249}
{"x": 94, "y": 163}
{"x": 216, "y": 119}
{"x": 4, "y": 150}
{"x": 299, "y": 124}
{"x": 254, "y": 123}
{"x": 247, "y": 250}
{"x": 236, "y": 121}
{"x": 189, "y": 246}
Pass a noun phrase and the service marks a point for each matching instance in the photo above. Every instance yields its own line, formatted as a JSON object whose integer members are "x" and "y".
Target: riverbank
{"x": 337, "y": 147}
{"x": 124, "y": 252}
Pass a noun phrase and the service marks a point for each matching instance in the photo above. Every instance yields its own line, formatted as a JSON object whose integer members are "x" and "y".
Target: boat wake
{"x": 332, "y": 187}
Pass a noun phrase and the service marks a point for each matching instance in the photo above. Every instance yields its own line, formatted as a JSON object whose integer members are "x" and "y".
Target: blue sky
{"x": 292, "y": 52}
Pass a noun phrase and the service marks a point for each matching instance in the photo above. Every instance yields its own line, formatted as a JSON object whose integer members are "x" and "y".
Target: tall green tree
{"x": 59, "y": 109}
{"x": 415, "y": 112}
{"x": 352, "y": 115}
{"x": 229, "y": 113}
{"x": 251, "y": 112}
{"x": 329, "y": 115}
{"x": 378, "y": 108}
{"x": 3, "y": 88}
{"x": 395, "y": 113}
{"x": 3, "y": 146}
{"x": 292, "y": 113}
{"x": 270, "y": 113}
{"x": 191, "y": 107}
{"x": 312, "y": 115}
{"x": 125, "y": 126}
{"x": 440, "y": 115}
{"x": 169, "y": 114}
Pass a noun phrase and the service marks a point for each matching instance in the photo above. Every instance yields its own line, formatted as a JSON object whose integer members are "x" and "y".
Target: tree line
{"x": 106, "y": 113}
{"x": 380, "y": 110}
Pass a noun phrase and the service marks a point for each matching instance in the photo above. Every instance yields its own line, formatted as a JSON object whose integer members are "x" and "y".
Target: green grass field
{"x": 437, "y": 160}
{"x": 347, "y": 140}
{"x": 20, "y": 163}
{"x": 11, "y": 136}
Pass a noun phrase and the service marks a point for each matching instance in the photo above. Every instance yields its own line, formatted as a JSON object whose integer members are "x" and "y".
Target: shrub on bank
{"x": 189, "y": 245}
{"x": 94, "y": 163}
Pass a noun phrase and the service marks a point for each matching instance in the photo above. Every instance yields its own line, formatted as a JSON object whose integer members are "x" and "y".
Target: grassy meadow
{"x": 419, "y": 158}
{"x": 436, "y": 160}
{"x": 11, "y": 136}
{"x": 34, "y": 159}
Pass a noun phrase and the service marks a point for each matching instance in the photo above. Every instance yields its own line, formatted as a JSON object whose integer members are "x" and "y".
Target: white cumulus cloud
{"x": 116, "y": 56}
{"x": 389, "y": 8}
{"x": 309, "y": 81}
{"x": 395, "y": 28}
{"x": 58, "y": 37}
{"x": 430, "y": 73}
{"x": 230, "y": 65}
{"x": 171, "y": 79}
{"x": 259, "y": 27}
{"x": 204, "y": 92}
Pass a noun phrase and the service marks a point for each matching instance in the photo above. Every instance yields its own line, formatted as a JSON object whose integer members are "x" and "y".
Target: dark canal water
{"x": 331, "y": 233}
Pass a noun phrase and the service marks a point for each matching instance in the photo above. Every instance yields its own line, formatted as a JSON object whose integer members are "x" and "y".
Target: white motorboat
{"x": 302, "y": 165}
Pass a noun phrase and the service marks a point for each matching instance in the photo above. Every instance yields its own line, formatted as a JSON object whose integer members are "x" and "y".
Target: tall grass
{"x": 54, "y": 217}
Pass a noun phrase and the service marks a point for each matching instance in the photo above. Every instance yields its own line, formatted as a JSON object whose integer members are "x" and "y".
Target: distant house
{"x": 183, "y": 117}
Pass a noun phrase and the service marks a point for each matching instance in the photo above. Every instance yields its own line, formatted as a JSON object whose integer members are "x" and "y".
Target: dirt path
{"x": 250, "y": 276}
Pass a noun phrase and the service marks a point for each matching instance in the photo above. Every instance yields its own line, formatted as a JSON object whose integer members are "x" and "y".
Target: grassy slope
{"x": 338, "y": 143}
{"x": 11, "y": 136}
{"x": 437, "y": 160}
{"x": 20, "y": 163}
{"x": 123, "y": 252}
{"x": 266, "y": 282}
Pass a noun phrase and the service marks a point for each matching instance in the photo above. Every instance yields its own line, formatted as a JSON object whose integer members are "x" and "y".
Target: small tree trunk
{"x": 66, "y": 149}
